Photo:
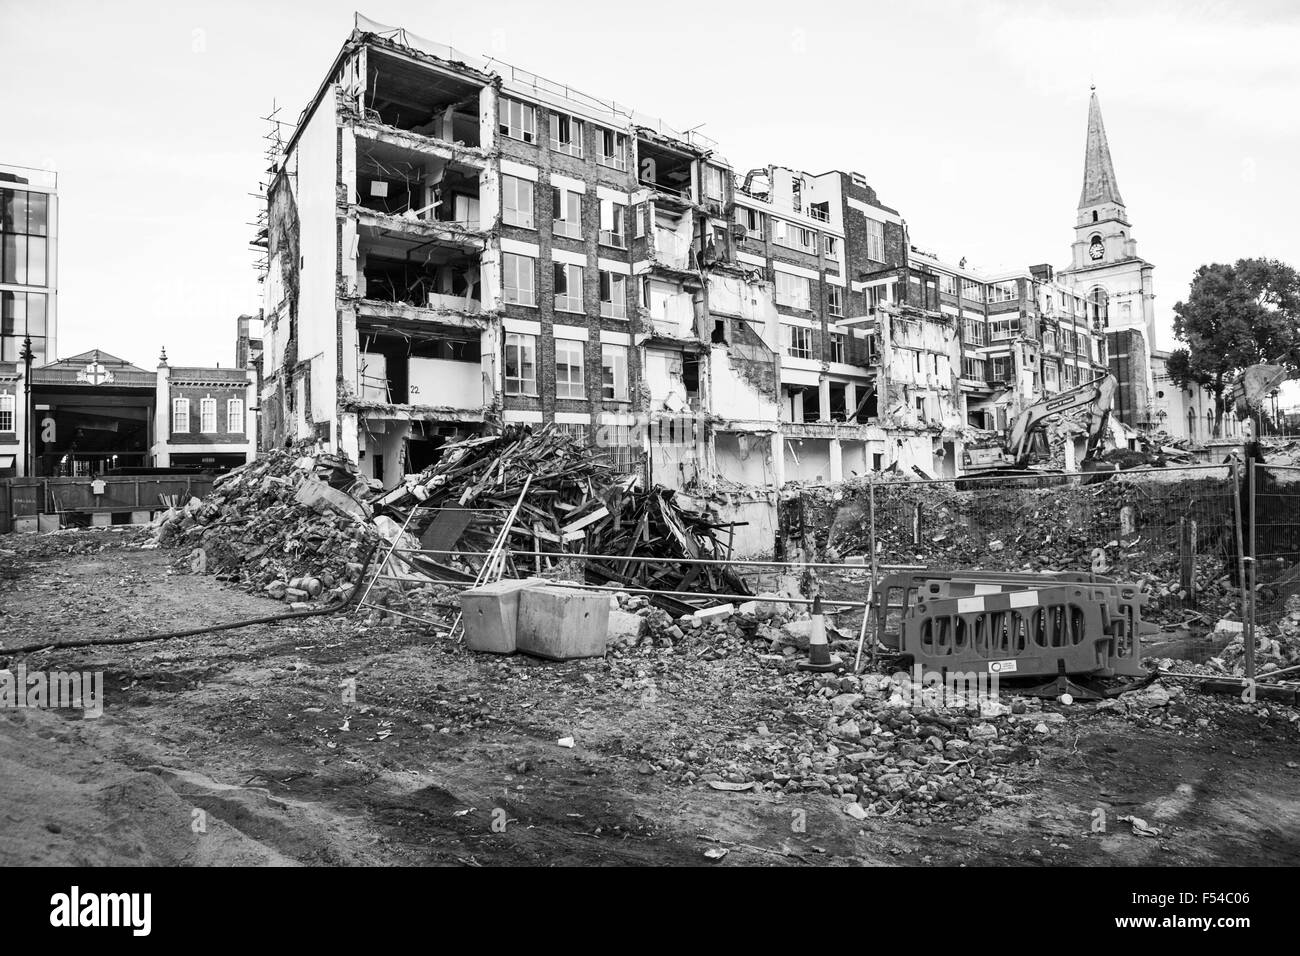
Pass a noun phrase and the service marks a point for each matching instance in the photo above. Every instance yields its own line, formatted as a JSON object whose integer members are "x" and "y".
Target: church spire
{"x": 1099, "y": 185}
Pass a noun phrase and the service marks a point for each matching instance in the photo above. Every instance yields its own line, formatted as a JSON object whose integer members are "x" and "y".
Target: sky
{"x": 969, "y": 118}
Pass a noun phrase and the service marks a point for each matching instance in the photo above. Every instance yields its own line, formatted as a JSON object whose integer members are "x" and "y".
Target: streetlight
{"x": 27, "y": 356}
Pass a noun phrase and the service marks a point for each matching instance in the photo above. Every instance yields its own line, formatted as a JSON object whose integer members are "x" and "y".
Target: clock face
{"x": 1096, "y": 250}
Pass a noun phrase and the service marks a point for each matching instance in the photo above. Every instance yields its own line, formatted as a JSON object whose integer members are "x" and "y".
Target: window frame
{"x": 181, "y": 412}
{"x": 875, "y": 239}
{"x": 617, "y": 370}
{"x": 835, "y": 301}
{"x": 563, "y": 269}
{"x": 207, "y": 412}
{"x": 571, "y": 147}
{"x": 572, "y": 217}
{"x": 798, "y": 341}
{"x": 527, "y": 129}
{"x": 617, "y": 301}
{"x": 9, "y": 409}
{"x": 235, "y": 419}
{"x": 513, "y": 189}
{"x": 571, "y": 384}
{"x": 508, "y": 258}
{"x": 617, "y": 159}
{"x": 524, "y": 345}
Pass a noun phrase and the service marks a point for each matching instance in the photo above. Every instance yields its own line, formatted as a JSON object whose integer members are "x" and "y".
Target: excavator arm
{"x": 1099, "y": 394}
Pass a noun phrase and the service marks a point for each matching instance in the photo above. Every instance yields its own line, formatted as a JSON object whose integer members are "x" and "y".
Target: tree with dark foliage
{"x": 1236, "y": 316}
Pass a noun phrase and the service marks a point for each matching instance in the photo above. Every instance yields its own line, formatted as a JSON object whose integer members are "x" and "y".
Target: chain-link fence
{"x": 1171, "y": 530}
{"x": 1275, "y": 518}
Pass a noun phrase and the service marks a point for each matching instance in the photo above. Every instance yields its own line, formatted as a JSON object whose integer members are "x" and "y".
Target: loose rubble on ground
{"x": 300, "y": 527}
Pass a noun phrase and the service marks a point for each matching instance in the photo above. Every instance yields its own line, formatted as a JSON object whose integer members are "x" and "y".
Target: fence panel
{"x": 1276, "y": 525}
{"x": 1172, "y": 530}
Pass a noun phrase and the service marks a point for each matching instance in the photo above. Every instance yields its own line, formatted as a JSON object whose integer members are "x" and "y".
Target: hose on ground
{"x": 352, "y": 600}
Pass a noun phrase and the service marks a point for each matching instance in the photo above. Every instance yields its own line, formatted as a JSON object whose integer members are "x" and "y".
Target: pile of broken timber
{"x": 575, "y": 504}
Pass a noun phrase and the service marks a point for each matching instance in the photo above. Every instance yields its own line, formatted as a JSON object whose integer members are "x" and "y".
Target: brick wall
{"x": 196, "y": 393}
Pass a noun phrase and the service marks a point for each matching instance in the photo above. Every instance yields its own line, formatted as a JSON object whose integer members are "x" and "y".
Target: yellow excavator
{"x": 1017, "y": 451}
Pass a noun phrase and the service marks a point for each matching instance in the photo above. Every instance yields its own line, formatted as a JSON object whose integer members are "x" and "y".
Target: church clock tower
{"x": 1106, "y": 270}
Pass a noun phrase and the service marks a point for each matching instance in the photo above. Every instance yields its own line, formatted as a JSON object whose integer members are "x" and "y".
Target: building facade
{"x": 453, "y": 244}
{"x": 1106, "y": 271}
{"x": 29, "y": 235}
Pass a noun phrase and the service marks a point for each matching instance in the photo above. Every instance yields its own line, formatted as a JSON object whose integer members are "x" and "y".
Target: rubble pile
{"x": 574, "y": 504}
{"x": 1029, "y": 525}
{"x": 1277, "y": 645}
{"x": 882, "y": 744}
{"x": 289, "y": 524}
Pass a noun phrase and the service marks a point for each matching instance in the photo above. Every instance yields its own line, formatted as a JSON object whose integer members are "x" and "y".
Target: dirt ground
{"x": 238, "y": 748}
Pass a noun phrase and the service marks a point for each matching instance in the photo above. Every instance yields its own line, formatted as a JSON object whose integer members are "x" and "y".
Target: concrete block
{"x": 141, "y": 517}
{"x": 320, "y": 496}
{"x": 562, "y": 623}
{"x": 624, "y": 627}
{"x": 25, "y": 524}
{"x": 719, "y": 613}
{"x": 490, "y": 613}
{"x": 101, "y": 519}
{"x": 46, "y": 523}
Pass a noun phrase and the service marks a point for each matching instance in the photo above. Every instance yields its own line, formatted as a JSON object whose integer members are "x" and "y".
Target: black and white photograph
{"x": 677, "y": 435}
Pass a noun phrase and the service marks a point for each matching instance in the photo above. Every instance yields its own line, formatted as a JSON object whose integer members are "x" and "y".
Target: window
{"x": 24, "y": 225}
{"x": 832, "y": 245}
{"x": 837, "y": 347}
{"x": 794, "y": 237}
{"x": 613, "y": 295}
{"x": 517, "y": 202}
{"x": 875, "y": 240}
{"x": 879, "y": 295}
{"x": 835, "y": 301}
{"x": 947, "y": 284}
{"x": 1049, "y": 340}
{"x": 974, "y": 332}
{"x": 1050, "y": 377}
{"x": 712, "y": 182}
{"x": 1002, "y": 369}
{"x": 1003, "y": 292}
{"x": 792, "y": 291}
{"x": 973, "y": 368}
{"x": 1067, "y": 341}
{"x": 568, "y": 287}
{"x": 972, "y": 290}
{"x": 567, "y": 207}
{"x": 575, "y": 431}
{"x": 566, "y": 134}
{"x": 638, "y": 216}
{"x": 180, "y": 415}
{"x": 8, "y": 406}
{"x": 235, "y": 416}
{"x": 1002, "y": 329}
{"x": 517, "y": 279}
{"x": 22, "y": 314}
{"x": 207, "y": 415}
{"x": 517, "y": 120}
{"x": 521, "y": 364}
{"x": 798, "y": 341}
{"x": 613, "y": 373}
{"x": 568, "y": 369}
{"x": 613, "y": 223}
{"x": 752, "y": 220}
{"x": 613, "y": 149}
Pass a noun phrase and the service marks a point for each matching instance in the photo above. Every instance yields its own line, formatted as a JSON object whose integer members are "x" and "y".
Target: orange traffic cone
{"x": 820, "y": 657}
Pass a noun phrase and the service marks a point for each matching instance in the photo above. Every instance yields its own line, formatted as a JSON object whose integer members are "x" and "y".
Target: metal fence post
{"x": 1250, "y": 568}
{"x": 1247, "y": 632}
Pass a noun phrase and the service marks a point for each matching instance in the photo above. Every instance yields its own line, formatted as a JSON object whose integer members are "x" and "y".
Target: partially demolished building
{"x": 452, "y": 243}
